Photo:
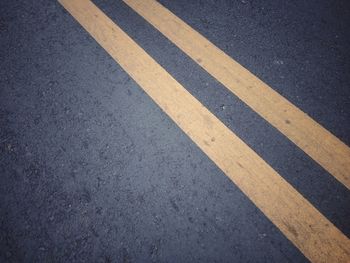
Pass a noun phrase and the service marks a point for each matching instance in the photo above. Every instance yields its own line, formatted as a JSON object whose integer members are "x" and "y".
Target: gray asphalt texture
{"x": 92, "y": 170}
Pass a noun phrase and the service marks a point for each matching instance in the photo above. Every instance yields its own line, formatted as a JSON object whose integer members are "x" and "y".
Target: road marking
{"x": 327, "y": 150}
{"x": 300, "y": 222}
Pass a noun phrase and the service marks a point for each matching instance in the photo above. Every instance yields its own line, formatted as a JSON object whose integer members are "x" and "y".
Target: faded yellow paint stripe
{"x": 327, "y": 150}
{"x": 305, "y": 226}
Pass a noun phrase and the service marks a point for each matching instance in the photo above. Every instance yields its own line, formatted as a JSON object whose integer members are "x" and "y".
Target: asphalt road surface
{"x": 93, "y": 170}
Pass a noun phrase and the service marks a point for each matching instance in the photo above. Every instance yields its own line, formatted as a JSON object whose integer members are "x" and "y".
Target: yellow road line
{"x": 305, "y": 226}
{"x": 332, "y": 154}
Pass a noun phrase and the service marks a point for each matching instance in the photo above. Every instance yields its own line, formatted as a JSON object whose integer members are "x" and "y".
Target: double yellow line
{"x": 332, "y": 154}
{"x": 316, "y": 237}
